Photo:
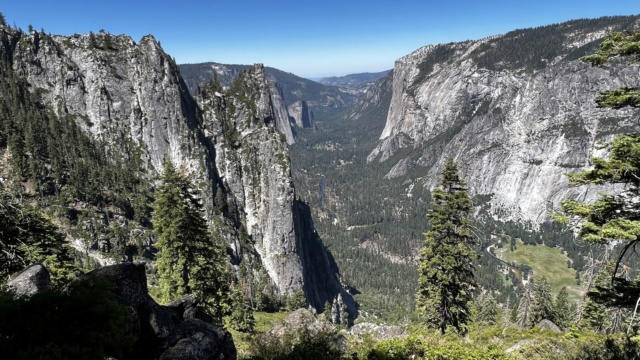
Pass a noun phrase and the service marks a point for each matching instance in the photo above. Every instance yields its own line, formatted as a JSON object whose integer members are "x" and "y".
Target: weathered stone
{"x": 168, "y": 330}
{"x": 30, "y": 281}
{"x": 301, "y": 320}
{"x": 548, "y": 325}
{"x": 516, "y": 133}
{"x": 517, "y": 346}
{"x": 300, "y": 114}
{"x": 186, "y": 308}
{"x": 378, "y": 332}
{"x": 196, "y": 340}
{"x": 129, "y": 283}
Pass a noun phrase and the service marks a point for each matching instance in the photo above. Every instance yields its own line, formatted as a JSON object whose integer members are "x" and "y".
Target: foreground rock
{"x": 378, "y": 332}
{"x": 548, "y": 325}
{"x": 301, "y": 320}
{"x": 176, "y": 331}
{"x": 30, "y": 281}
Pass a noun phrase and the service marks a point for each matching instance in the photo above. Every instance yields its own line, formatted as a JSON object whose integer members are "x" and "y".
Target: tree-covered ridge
{"x": 534, "y": 49}
{"x": 323, "y": 99}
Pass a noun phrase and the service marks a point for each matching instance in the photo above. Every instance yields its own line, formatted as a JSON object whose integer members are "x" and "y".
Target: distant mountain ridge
{"x": 354, "y": 83}
{"x": 323, "y": 100}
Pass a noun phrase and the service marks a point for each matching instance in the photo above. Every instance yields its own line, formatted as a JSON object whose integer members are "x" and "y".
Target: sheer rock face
{"x": 280, "y": 112}
{"x": 120, "y": 91}
{"x": 117, "y": 90}
{"x": 253, "y": 161}
{"x": 300, "y": 114}
{"x": 514, "y": 130}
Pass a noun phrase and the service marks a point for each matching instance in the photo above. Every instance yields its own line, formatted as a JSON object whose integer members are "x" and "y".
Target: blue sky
{"x": 307, "y": 38}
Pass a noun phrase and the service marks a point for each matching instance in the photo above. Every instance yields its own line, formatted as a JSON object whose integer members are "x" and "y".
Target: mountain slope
{"x": 512, "y": 109}
{"x": 131, "y": 110}
{"x": 354, "y": 83}
{"x": 322, "y": 99}
{"x": 517, "y": 113}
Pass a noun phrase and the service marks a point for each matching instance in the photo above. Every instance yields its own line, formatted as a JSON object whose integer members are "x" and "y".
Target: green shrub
{"x": 296, "y": 344}
{"x": 415, "y": 348}
{"x": 81, "y": 323}
{"x": 616, "y": 347}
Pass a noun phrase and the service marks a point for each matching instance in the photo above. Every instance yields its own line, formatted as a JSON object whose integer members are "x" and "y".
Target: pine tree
{"x": 524, "y": 306}
{"x": 241, "y": 318}
{"x": 562, "y": 312}
{"x": 326, "y": 311}
{"x": 506, "y": 315}
{"x": 487, "y": 313}
{"x": 190, "y": 261}
{"x": 597, "y": 314}
{"x": 542, "y": 305}
{"x": 446, "y": 279}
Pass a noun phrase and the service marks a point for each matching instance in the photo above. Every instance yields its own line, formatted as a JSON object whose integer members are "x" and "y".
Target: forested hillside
{"x": 371, "y": 211}
{"x": 323, "y": 100}
{"x": 84, "y": 135}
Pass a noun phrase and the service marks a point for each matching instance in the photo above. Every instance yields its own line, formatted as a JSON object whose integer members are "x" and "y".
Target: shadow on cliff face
{"x": 321, "y": 283}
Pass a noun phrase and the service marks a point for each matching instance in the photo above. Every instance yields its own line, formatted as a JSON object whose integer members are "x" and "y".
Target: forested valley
{"x": 194, "y": 242}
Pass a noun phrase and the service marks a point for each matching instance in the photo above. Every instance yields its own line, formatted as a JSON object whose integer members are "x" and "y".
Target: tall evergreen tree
{"x": 189, "y": 261}
{"x": 446, "y": 279}
{"x": 487, "y": 310}
{"x": 598, "y": 313}
{"x": 563, "y": 314}
{"x": 542, "y": 305}
{"x": 241, "y": 317}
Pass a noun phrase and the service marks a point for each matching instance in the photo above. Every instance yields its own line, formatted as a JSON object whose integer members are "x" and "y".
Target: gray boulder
{"x": 196, "y": 340}
{"x": 30, "y": 281}
{"x": 378, "y": 332}
{"x": 175, "y": 331}
{"x": 548, "y": 325}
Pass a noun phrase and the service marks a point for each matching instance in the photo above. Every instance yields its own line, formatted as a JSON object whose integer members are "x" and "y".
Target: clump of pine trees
{"x": 190, "y": 257}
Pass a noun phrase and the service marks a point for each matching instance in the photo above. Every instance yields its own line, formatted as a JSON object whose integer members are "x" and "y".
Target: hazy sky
{"x": 307, "y": 38}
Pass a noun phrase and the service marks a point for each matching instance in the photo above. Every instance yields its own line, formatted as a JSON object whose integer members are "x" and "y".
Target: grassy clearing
{"x": 548, "y": 262}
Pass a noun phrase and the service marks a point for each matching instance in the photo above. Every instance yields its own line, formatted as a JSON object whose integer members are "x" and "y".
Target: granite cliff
{"x": 234, "y": 142}
{"x": 515, "y": 110}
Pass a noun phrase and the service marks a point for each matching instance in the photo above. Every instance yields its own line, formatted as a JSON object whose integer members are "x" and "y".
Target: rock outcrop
{"x": 548, "y": 325}
{"x": 378, "y": 332}
{"x": 300, "y": 114}
{"x": 253, "y": 163}
{"x": 516, "y": 111}
{"x": 165, "y": 332}
{"x": 116, "y": 90}
{"x": 30, "y": 281}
